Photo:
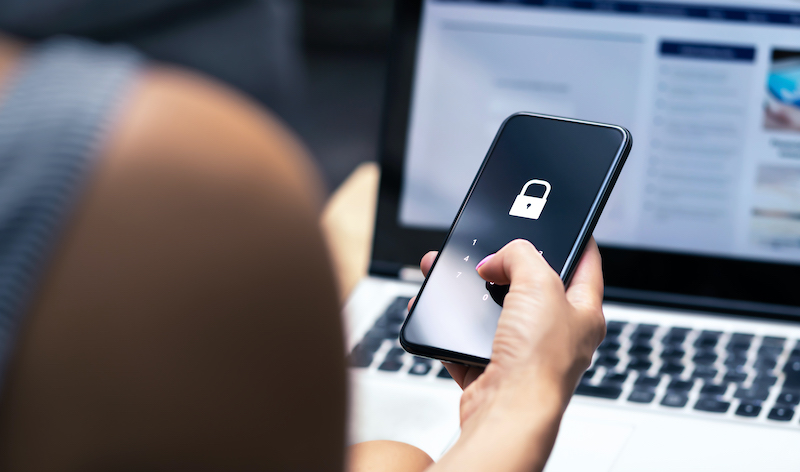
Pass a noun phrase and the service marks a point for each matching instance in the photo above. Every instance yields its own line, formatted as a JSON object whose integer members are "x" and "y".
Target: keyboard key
{"x": 603, "y": 391}
{"x": 380, "y": 330}
{"x": 610, "y": 344}
{"x": 391, "y": 365}
{"x": 643, "y": 333}
{"x": 704, "y": 372}
{"x": 792, "y": 371}
{"x": 781, "y": 413}
{"x": 648, "y": 382}
{"x": 607, "y": 361}
{"x": 395, "y": 353}
{"x": 772, "y": 341}
{"x": 737, "y": 353}
{"x": 712, "y": 405}
{"x": 707, "y": 339}
{"x": 382, "y": 322}
{"x": 751, "y": 393}
{"x": 372, "y": 340}
{"x": 393, "y": 330}
{"x": 676, "y": 336}
{"x": 734, "y": 376}
{"x": 711, "y": 334}
{"x": 748, "y": 409}
{"x": 641, "y": 338}
{"x": 675, "y": 399}
{"x": 642, "y": 396}
{"x": 765, "y": 380}
{"x": 402, "y": 302}
{"x": 671, "y": 368}
{"x": 361, "y": 358}
{"x": 645, "y": 329}
{"x": 444, "y": 374}
{"x": 680, "y": 385}
{"x": 714, "y": 389}
{"x": 640, "y": 350}
{"x": 397, "y": 310}
{"x": 769, "y": 352}
{"x": 377, "y": 334}
{"x": 639, "y": 364}
{"x": 419, "y": 368}
{"x": 706, "y": 343}
{"x": 739, "y": 342}
{"x": 733, "y": 361}
{"x": 672, "y": 340}
{"x": 705, "y": 357}
{"x": 614, "y": 328}
{"x": 765, "y": 365}
{"x": 672, "y": 352}
{"x": 363, "y": 352}
{"x": 788, "y": 398}
{"x": 385, "y": 320}
{"x": 741, "y": 337}
{"x": 615, "y": 378}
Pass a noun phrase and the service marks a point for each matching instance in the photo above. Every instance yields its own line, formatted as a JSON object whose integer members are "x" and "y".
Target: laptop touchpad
{"x": 588, "y": 445}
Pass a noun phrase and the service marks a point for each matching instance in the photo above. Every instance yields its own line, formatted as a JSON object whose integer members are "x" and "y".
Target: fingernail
{"x": 484, "y": 261}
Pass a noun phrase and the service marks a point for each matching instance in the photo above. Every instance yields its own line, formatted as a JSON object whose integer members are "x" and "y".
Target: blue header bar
{"x": 664, "y": 9}
{"x": 714, "y": 52}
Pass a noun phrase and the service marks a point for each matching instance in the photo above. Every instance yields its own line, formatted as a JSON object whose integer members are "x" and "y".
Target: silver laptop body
{"x": 701, "y": 238}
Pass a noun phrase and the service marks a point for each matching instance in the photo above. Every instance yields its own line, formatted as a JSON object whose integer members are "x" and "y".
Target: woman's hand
{"x": 545, "y": 340}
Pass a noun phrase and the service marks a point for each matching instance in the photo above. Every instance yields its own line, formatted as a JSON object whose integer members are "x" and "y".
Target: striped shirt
{"x": 55, "y": 110}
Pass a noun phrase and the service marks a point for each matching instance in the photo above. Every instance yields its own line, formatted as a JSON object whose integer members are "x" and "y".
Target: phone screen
{"x": 545, "y": 180}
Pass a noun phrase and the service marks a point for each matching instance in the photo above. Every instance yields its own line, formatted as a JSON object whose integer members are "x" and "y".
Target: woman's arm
{"x": 511, "y": 411}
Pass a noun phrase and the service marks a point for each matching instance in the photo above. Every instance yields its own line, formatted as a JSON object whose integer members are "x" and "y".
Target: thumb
{"x": 518, "y": 263}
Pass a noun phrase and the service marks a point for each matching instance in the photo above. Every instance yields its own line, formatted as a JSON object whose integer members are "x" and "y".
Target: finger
{"x": 427, "y": 261}
{"x": 411, "y": 302}
{"x": 585, "y": 291}
{"x": 520, "y": 261}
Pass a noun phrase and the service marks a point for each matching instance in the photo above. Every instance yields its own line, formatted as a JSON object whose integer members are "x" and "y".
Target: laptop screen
{"x": 710, "y": 90}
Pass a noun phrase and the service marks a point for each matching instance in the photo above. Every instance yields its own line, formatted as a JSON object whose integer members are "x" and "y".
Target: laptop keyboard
{"x": 380, "y": 347}
{"x": 709, "y": 371}
{"x": 669, "y": 367}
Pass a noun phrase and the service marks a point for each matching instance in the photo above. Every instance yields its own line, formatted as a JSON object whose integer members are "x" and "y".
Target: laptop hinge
{"x": 385, "y": 269}
{"x": 396, "y": 271}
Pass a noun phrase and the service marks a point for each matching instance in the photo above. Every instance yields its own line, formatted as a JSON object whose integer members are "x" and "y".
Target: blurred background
{"x": 319, "y": 64}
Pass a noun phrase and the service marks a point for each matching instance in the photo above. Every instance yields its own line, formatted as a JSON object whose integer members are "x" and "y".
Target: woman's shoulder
{"x": 179, "y": 119}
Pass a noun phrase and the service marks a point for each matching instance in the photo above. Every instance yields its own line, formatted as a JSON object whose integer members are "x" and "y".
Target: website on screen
{"x": 710, "y": 91}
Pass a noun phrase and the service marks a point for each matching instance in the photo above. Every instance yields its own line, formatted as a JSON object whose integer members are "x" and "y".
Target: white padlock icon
{"x": 530, "y": 207}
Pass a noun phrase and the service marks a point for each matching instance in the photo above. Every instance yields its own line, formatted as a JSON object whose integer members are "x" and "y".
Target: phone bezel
{"x": 574, "y": 255}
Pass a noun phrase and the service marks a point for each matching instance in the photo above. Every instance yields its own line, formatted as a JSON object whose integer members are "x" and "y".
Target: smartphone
{"x": 545, "y": 179}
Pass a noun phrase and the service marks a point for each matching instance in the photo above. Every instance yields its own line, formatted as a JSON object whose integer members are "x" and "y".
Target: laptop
{"x": 700, "y": 239}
